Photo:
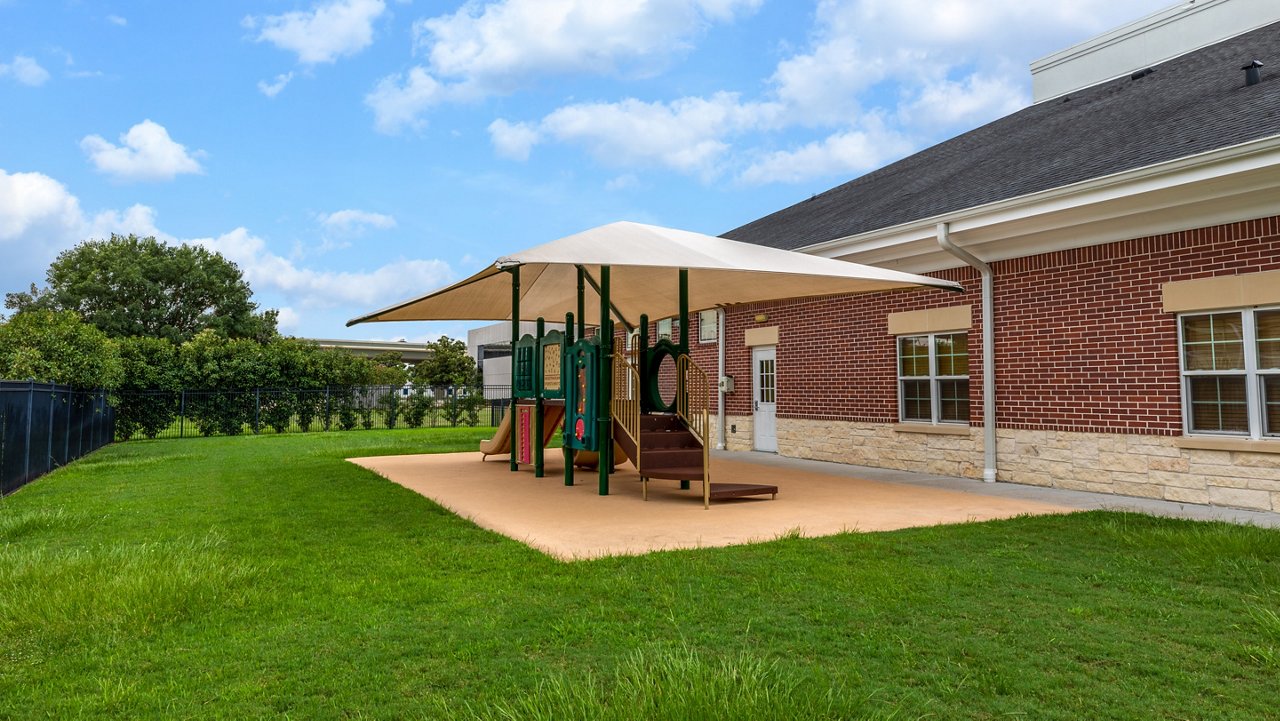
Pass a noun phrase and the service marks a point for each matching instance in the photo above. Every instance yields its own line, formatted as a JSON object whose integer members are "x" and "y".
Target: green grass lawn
{"x": 263, "y": 576}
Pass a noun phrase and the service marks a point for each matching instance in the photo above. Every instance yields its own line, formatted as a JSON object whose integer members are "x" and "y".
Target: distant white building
{"x": 490, "y": 346}
{"x": 412, "y": 353}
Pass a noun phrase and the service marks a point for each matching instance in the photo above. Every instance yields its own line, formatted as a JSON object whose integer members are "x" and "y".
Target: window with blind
{"x": 933, "y": 378}
{"x": 1230, "y": 363}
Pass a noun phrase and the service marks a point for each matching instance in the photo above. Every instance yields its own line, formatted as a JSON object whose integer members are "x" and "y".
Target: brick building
{"x": 1128, "y": 225}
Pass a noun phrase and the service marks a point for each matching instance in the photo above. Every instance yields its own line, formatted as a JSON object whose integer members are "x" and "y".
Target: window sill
{"x": 949, "y": 429}
{"x": 1240, "y": 445}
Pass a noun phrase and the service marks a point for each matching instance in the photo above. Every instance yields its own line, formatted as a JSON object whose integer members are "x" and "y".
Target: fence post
{"x": 257, "y": 410}
{"x": 327, "y": 417}
{"x": 52, "y": 396}
{"x": 26, "y": 454}
{"x": 66, "y": 437}
{"x": 182, "y": 411}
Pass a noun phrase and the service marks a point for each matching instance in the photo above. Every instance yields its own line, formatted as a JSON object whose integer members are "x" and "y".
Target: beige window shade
{"x": 1228, "y": 291}
{"x": 933, "y": 320}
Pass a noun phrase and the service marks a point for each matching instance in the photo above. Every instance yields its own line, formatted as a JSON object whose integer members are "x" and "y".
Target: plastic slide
{"x": 500, "y": 444}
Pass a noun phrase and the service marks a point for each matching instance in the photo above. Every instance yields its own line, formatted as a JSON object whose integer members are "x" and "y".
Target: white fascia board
{"x": 1221, "y": 173}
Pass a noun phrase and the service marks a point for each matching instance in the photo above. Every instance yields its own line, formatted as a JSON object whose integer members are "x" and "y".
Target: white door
{"x": 765, "y": 403}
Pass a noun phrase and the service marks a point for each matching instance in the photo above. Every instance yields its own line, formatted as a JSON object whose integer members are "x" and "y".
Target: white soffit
{"x": 1222, "y": 186}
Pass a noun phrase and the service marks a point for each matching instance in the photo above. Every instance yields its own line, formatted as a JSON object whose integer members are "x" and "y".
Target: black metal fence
{"x": 187, "y": 413}
{"x": 44, "y": 426}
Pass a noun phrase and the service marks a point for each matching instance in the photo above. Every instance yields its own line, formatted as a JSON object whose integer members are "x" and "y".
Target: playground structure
{"x": 607, "y": 397}
{"x": 610, "y": 400}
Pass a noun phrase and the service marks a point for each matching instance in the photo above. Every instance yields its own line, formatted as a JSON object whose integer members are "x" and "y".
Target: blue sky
{"x": 350, "y": 153}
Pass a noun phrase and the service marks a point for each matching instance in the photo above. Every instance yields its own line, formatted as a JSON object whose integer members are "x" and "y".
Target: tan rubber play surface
{"x": 576, "y": 522}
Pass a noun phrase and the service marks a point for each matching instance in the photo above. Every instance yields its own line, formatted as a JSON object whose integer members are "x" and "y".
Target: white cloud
{"x": 323, "y": 34}
{"x": 33, "y": 205}
{"x": 622, "y": 182}
{"x": 398, "y": 105}
{"x": 488, "y": 48}
{"x": 310, "y": 288}
{"x": 39, "y": 217}
{"x": 976, "y": 99}
{"x": 117, "y": 20}
{"x": 868, "y": 62}
{"x": 498, "y": 45}
{"x": 25, "y": 70}
{"x": 288, "y": 320}
{"x": 355, "y": 221}
{"x": 513, "y": 140}
{"x": 137, "y": 219}
{"x": 843, "y": 153}
{"x": 274, "y": 87}
{"x": 146, "y": 153}
{"x": 686, "y": 135}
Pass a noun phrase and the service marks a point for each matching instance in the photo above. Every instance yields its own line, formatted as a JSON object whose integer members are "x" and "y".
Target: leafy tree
{"x": 231, "y": 368}
{"x": 447, "y": 365}
{"x": 388, "y": 370}
{"x": 148, "y": 400}
{"x": 130, "y": 286}
{"x": 57, "y": 347}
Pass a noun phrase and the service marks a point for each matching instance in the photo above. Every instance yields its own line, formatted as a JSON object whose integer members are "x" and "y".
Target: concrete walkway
{"x": 1077, "y": 500}
{"x": 815, "y": 499}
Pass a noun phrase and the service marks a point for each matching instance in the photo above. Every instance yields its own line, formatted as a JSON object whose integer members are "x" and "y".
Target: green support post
{"x": 566, "y": 379}
{"x": 605, "y": 390}
{"x": 642, "y": 355}
{"x": 684, "y": 311}
{"x": 582, "y": 303}
{"x": 515, "y": 338}
{"x": 684, "y": 341}
{"x": 538, "y": 409}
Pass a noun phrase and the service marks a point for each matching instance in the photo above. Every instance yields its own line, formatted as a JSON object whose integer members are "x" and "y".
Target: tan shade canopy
{"x": 644, "y": 260}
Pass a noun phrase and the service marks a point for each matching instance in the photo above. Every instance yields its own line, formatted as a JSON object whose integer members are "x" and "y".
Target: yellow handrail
{"x": 626, "y": 399}
{"x": 693, "y": 404}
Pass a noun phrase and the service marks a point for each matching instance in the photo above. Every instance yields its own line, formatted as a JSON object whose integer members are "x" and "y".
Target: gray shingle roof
{"x": 1192, "y": 104}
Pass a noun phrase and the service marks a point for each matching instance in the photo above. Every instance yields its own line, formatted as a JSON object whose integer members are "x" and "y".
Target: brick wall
{"x": 1082, "y": 343}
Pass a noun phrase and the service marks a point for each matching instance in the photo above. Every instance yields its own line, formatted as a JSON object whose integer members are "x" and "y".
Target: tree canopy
{"x": 129, "y": 286}
{"x": 447, "y": 365}
{"x": 56, "y": 347}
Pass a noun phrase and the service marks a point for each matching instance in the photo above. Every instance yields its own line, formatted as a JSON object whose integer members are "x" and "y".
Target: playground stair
{"x": 668, "y": 449}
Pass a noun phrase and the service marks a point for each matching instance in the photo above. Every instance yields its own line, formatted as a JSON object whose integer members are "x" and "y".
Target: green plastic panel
{"x": 581, "y": 385}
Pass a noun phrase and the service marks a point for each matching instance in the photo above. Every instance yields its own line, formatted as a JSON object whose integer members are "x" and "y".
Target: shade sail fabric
{"x": 644, "y": 262}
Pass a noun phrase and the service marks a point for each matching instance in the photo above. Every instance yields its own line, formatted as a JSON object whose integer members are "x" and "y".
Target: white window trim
{"x": 935, "y": 380}
{"x": 1254, "y": 377}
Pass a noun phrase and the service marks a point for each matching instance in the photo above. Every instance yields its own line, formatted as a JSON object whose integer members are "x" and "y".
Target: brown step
{"x": 661, "y": 422}
{"x": 650, "y": 440}
{"x": 676, "y": 473}
{"x": 670, "y": 458}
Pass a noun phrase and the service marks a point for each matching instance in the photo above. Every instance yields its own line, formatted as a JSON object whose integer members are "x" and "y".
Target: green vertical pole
{"x": 642, "y": 362}
{"x": 515, "y": 338}
{"x": 538, "y": 409}
{"x": 605, "y": 392}
{"x": 567, "y": 377}
{"x": 582, "y": 303}
{"x": 681, "y": 388}
{"x": 684, "y": 310}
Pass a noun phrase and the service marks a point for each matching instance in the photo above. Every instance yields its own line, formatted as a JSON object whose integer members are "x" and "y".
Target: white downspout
{"x": 720, "y": 444}
{"x": 988, "y": 349}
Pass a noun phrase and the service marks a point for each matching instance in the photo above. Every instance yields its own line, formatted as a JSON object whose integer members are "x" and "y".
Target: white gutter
{"x": 720, "y": 444}
{"x": 988, "y": 349}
